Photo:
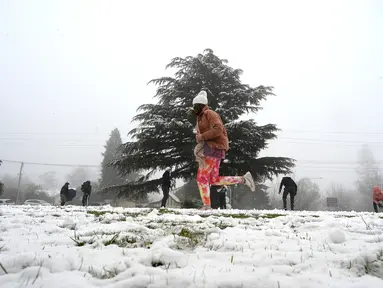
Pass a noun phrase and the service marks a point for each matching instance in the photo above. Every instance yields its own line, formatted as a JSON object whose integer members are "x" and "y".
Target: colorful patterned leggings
{"x": 209, "y": 175}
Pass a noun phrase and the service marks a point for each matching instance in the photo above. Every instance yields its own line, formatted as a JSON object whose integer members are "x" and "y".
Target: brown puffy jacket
{"x": 210, "y": 126}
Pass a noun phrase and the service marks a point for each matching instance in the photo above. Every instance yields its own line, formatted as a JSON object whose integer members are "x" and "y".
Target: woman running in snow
{"x": 211, "y": 149}
{"x": 378, "y": 198}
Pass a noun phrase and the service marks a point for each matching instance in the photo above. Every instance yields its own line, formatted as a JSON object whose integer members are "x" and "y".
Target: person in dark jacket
{"x": 380, "y": 205}
{"x": 290, "y": 188}
{"x": 214, "y": 201}
{"x": 64, "y": 193}
{"x": 222, "y": 196}
{"x": 86, "y": 188}
{"x": 166, "y": 184}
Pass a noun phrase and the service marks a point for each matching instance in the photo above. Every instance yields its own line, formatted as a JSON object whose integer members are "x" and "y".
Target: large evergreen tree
{"x": 165, "y": 137}
{"x": 109, "y": 174}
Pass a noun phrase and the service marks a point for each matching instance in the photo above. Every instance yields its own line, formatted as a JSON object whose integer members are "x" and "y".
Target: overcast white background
{"x": 71, "y": 71}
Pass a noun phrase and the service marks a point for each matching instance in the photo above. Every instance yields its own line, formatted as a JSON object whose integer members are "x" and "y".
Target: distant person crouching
{"x": 290, "y": 188}
{"x": 64, "y": 193}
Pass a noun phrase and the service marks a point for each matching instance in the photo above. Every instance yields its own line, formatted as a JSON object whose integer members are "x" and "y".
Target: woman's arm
{"x": 215, "y": 124}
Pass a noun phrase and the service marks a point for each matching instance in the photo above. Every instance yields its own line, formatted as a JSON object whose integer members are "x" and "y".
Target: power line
{"x": 329, "y": 170}
{"x": 335, "y": 168}
{"x": 286, "y": 139}
{"x": 332, "y": 132}
{"x": 333, "y": 143}
{"x": 51, "y": 164}
{"x": 282, "y": 130}
{"x": 24, "y": 138}
{"x": 50, "y": 133}
{"x": 299, "y": 163}
{"x": 55, "y": 139}
{"x": 330, "y": 140}
{"x": 335, "y": 162}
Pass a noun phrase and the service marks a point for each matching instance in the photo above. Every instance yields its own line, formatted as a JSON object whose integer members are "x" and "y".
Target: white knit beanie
{"x": 201, "y": 98}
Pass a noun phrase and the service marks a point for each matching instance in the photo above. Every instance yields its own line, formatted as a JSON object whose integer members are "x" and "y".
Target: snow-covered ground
{"x": 116, "y": 247}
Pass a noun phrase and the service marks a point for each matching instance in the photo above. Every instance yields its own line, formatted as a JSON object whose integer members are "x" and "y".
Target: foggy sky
{"x": 71, "y": 71}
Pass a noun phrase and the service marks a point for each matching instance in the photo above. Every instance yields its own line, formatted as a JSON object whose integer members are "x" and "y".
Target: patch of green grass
{"x": 345, "y": 216}
{"x": 244, "y": 216}
{"x": 134, "y": 214}
{"x": 238, "y": 216}
{"x": 185, "y": 233}
{"x": 109, "y": 221}
{"x": 235, "y": 216}
{"x": 113, "y": 240}
{"x": 369, "y": 266}
{"x": 148, "y": 244}
{"x": 98, "y": 213}
{"x": 208, "y": 215}
{"x": 373, "y": 268}
{"x": 303, "y": 216}
{"x": 78, "y": 242}
{"x": 127, "y": 241}
{"x": 223, "y": 226}
{"x": 193, "y": 237}
{"x": 167, "y": 211}
{"x": 271, "y": 216}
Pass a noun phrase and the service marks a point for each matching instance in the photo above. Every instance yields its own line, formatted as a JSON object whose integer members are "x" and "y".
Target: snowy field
{"x": 116, "y": 247}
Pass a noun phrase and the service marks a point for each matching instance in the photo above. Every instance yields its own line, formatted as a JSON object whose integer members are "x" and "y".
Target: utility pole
{"x": 18, "y": 185}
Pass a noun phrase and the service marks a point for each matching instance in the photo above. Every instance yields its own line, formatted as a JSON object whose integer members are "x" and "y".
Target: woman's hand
{"x": 199, "y": 137}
